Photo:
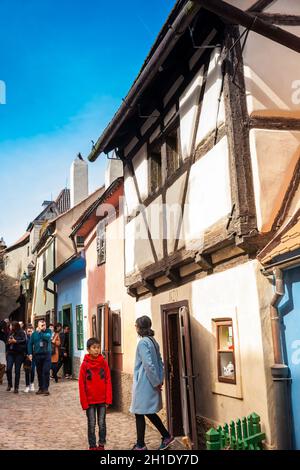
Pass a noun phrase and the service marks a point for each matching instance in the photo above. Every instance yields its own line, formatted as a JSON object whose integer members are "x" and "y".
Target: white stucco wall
{"x": 239, "y": 293}
{"x": 211, "y": 113}
{"x": 288, "y": 7}
{"x": 274, "y": 155}
{"x": 208, "y": 200}
{"x": 272, "y": 75}
{"x": 188, "y": 106}
{"x": 137, "y": 245}
{"x": 209, "y": 196}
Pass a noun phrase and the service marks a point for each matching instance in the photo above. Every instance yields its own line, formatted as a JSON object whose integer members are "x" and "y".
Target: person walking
{"x": 147, "y": 385}
{"x": 16, "y": 349}
{"x": 65, "y": 347}
{"x": 95, "y": 392}
{"x": 3, "y": 341}
{"x": 29, "y": 365}
{"x": 55, "y": 352}
{"x": 40, "y": 350}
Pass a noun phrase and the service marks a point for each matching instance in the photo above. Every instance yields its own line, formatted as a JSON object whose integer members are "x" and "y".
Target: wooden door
{"x": 179, "y": 378}
{"x": 104, "y": 331}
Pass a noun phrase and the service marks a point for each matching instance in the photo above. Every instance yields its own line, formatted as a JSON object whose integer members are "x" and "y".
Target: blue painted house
{"x": 71, "y": 288}
{"x": 283, "y": 254}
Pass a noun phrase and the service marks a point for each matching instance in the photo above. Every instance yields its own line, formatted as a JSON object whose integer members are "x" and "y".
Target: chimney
{"x": 114, "y": 170}
{"x": 79, "y": 187}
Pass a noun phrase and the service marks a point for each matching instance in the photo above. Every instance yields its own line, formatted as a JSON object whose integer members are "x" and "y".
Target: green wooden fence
{"x": 243, "y": 434}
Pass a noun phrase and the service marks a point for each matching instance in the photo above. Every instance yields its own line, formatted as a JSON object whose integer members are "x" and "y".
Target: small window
{"x": 80, "y": 241}
{"x": 172, "y": 149}
{"x": 79, "y": 327}
{"x": 101, "y": 243}
{"x": 226, "y": 357}
{"x": 155, "y": 168}
{"x": 28, "y": 251}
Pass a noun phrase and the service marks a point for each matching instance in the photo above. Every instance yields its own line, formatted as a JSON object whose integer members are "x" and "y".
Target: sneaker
{"x": 165, "y": 442}
{"x": 136, "y": 447}
{"x": 100, "y": 447}
{"x": 26, "y": 389}
{"x": 31, "y": 387}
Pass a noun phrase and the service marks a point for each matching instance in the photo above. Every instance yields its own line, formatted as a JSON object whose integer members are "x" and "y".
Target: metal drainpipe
{"x": 280, "y": 371}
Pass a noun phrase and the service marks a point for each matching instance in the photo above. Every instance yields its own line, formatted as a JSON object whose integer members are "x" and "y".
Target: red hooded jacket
{"x": 94, "y": 382}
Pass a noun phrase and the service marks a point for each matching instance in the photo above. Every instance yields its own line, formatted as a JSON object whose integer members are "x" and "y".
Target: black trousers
{"x": 141, "y": 427}
{"x": 12, "y": 359}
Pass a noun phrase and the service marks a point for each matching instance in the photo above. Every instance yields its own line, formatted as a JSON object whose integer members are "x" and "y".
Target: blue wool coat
{"x": 148, "y": 373}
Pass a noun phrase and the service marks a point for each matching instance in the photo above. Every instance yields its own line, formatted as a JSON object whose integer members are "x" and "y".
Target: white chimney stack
{"x": 79, "y": 180}
{"x": 114, "y": 170}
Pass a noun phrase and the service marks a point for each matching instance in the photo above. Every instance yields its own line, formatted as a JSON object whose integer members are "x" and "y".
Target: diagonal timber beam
{"x": 250, "y": 21}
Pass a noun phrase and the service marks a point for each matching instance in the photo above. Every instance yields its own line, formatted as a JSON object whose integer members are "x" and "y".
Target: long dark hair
{"x": 143, "y": 325}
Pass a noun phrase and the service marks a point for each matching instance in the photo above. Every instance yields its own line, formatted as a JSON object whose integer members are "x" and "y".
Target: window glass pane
{"x": 225, "y": 337}
{"x": 227, "y": 365}
{"x": 173, "y": 160}
{"x": 155, "y": 169}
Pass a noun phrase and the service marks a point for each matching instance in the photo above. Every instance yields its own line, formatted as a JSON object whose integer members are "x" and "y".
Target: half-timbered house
{"x": 209, "y": 139}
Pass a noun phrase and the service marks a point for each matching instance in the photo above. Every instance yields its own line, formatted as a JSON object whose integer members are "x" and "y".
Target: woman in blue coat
{"x": 147, "y": 384}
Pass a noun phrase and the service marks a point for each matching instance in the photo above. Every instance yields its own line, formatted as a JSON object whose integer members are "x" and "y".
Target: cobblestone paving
{"x": 30, "y": 421}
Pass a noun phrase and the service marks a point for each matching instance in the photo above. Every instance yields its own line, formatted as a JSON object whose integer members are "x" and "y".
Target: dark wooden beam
{"x": 149, "y": 285}
{"x": 132, "y": 291}
{"x": 280, "y": 19}
{"x": 173, "y": 275}
{"x": 204, "y": 261}
{"x": 239, "y": 17}
{"x": 236, "y": 122}
{"x": 274, "y": 123}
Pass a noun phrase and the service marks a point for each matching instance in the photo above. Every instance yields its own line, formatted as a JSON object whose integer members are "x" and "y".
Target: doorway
{"x": 102, "y": 329}
{"x": 67, "y": 320}
{"x": 179, "y": 377}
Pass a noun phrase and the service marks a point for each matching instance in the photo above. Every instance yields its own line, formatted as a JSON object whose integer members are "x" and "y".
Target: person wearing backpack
{"x": 148, "y": 378}
{"x": 55, "y": 352}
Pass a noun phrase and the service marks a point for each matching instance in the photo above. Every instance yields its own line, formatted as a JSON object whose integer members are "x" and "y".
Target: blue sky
{"x": 66, "y": 65}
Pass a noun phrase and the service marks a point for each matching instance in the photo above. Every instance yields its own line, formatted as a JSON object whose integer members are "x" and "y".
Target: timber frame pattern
{"x": 239, "y": 228}
{"x": 238, "y": 231}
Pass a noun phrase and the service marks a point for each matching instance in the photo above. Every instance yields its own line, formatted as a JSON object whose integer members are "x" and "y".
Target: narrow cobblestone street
{"x": 57, "y": 422}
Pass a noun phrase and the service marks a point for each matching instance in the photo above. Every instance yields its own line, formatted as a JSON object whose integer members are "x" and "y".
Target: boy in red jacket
{"x": 95, "y": 392}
